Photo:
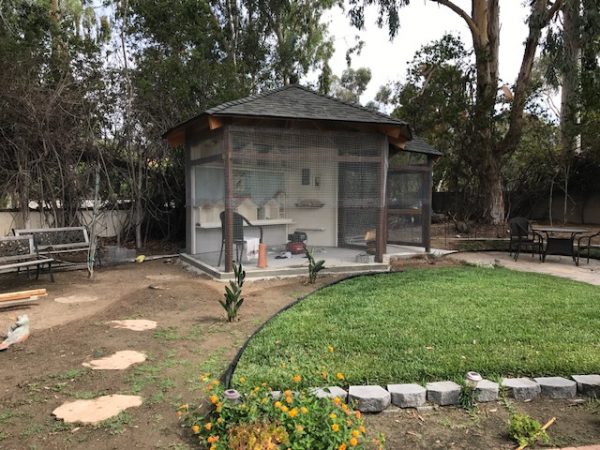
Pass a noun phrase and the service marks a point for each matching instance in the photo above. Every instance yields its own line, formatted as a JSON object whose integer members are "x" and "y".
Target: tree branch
{"x": 463, "y": 14}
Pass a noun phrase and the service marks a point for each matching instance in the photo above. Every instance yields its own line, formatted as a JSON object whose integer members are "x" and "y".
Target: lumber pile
{"x": 20, "y": 297}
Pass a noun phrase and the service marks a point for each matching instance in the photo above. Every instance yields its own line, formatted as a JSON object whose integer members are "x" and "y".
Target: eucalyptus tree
{"x": 490, "y": 144}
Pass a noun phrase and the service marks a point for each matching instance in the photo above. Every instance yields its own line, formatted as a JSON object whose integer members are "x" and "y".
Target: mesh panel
{"x": 324, "y": 184}
{"x": 405, "y": 203}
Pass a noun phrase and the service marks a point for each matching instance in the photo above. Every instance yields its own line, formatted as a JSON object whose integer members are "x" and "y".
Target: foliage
{"x": 526, "y": 430}
{"x": 351, "y": 85}
{"x": 452, "y": 320}
{"x": 296, "y": 420}
{"x": 466, "y": 398}
{"x": 233, "y": 293}
{"x": 314, "y": 267}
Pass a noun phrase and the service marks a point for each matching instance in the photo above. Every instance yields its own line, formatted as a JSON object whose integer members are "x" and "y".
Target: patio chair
{"x": 523, "y": 237}
{"x": 238, "y": 235}
{"x": 589, "y": 245}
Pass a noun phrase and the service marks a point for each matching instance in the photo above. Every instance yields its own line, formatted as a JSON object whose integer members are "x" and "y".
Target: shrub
{"x": 314, "y": 267}
{"x": 526, "y": 430}
{"x": 233, "y": 293}
{"x": 296, "y": 420}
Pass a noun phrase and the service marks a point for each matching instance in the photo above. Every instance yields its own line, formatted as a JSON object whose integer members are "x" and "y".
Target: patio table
{"x": 559, "y": 245}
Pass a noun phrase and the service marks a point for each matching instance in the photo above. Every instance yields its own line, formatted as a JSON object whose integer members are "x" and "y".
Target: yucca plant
{"x": 314, "y": 267}
{"x": 233, "y": 293}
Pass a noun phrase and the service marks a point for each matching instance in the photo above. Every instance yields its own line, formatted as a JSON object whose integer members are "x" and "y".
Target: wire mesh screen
{"x": 323, "y": 184}
{"x": 405, "y": 193}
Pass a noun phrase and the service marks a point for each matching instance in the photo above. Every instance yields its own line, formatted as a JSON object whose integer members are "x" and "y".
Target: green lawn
{"x": 431, "y": 324}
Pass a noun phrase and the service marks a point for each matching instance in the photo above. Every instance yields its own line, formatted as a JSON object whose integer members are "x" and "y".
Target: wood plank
{"x": 8, "y": 304}
{"x": 22, "y": 294}
{"x": 214, "y": 123}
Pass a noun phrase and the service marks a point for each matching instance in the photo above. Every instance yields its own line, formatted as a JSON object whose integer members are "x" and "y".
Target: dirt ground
{"x": 192, "y": 338}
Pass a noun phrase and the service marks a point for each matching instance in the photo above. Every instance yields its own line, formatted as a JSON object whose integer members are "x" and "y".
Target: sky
{"x": 420, "y": 23}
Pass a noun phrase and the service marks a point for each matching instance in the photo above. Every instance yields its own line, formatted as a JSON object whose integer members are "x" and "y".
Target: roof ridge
{"x": 247, "y": 99}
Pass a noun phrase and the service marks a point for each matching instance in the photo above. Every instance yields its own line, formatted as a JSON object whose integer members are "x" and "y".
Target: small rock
{"x": 443, "y": 393}
{"x": 557, "y": 387}
{"x": 588, "y": 384}
{"x": 369, "y": 398}
{"x": 521, "y": 389}
{"x": 330, "y": 392}
{"x": 407, "y": 395}
{"x": 424, "y": 409}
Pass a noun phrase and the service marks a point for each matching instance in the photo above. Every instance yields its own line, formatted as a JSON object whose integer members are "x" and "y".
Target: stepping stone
{"x": 76, "y": 299}
{"x": 369, "y": 398}
{"x": 119, "y": 361}
{"x": 443, "y": 393}
{"x": 588, "y": 384}
{"x": 97, "y": 410}
{"x": 486, "y": 391}
{"x": 521, "y": 389}
{"x": 557, "y": 387}
{"x": 330, "y": 392}
{"x": 134, "y": 325}
{"x": 407, "y": 395}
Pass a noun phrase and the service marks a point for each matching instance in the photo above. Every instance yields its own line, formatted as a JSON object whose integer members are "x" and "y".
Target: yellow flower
{"x": 339, "y": 376}
{"x": 337, "y": 401}
{"x": 353, "y": 442}
{"x": 357, "y": 414}
{"x": 213, "y": 447}
{"x": 220, "y": 420}
{"x": 330, "y": 348}
{"x": 289, "y": 400}
{"x": 242, "y": 380}
{"x": 342, "y": 447}
{"x": 215, "y": 382}
{"x": 297, "y": 378}
{"x": 184, "y": 406}
{"x": 287, "y": 393}
{"x": 356, "y": 433}
{"x": 335, "y": 427}
{"x": 195, "y": 429}
{"x": 293, "y": 412}
{"x": 304, "y": 410}
{"x": 264, "y": 400}
{"x": 333, "y": 416}
{"x": 284, "y": 408}
{"x": 208, "y": 426}
{"x": 214, "y": 399}
{"x": 349, "y": 422}
{"x": 219, "y": 406}
{"x": 299, "y": 428}
{"x": 277, "y": 404}
{"x": 344, "y": 407}
{"x": 362, "y": 429}
{"x": 264, "y": 384}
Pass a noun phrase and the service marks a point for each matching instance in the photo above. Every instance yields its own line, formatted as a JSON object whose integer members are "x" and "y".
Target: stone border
{"x": 374, "y": 399}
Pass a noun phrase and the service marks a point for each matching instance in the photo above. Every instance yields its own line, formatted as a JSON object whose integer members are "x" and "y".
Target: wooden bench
{"x": 51, "y": 241}
{"x": 19, "y": 252}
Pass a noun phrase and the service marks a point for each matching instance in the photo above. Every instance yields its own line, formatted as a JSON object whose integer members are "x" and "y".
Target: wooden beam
{"x": 9, "y": 296}
{"x": 228, "y": 166}
{"x": 214, "y": 123}
{"x": 426, "y": 207}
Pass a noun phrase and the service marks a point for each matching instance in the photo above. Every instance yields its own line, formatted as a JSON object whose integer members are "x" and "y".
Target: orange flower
{"x": 293, "y": 412}
{"x": 208, "y": 426}
{"x": 342, "y": 447}
{"x": 219, "y": 406}
{"x": 213, "y": 447}
{"x": 357, "y": 414}
{"x": 337, "y": 401}
{"x": 353, "y": 442}
{"x": 195, "y": 429}
{"x": 304, "y": 410}
{"x": 184, "y": 406}
{"x": 277, "y": 404}
{"x": 362, "y": 429}
{"x": 179, "y": 413}
{"x": 212, "y": 439}
{"x": 214, "y": 399}
{"x": 297, "y": 378}
{"x": 287, "y": 393}
{"x": 335, "y": 427}
{"x": 344, "y": 407}
{"x": 289, "y": 400}
{"x": 324, "y": 375}
{"x": 339, "y": 376}
{"x": 284, "y": 408}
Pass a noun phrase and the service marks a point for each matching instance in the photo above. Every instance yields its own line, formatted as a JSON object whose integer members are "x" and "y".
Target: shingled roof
{"x": 418, "y": 145}
{"x": 298, "y": 102}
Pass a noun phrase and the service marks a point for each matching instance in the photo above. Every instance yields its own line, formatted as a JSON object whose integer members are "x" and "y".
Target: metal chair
{"x": 589, "y": 245}
{"x": 238, "y": 234}
{"x": 521, "y": 235}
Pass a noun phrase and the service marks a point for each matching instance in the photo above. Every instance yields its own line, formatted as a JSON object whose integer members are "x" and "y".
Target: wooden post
{"x": 426, "y": 207}
{"x": 190, "y": 194}
{"x": 228, "y": 167}
{"x": 381, "y": 243}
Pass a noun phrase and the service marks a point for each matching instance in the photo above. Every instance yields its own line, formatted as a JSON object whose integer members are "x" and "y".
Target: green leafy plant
{"x": 467, "y": 396}
{"x": 233, "y": 293}
{"x": 526, "y": 431}
{"x": 296, "y": 419}
{"x": 314, "y": 267}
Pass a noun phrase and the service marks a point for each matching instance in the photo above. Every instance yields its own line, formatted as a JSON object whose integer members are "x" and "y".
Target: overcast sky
{"x": 420, "y": 23}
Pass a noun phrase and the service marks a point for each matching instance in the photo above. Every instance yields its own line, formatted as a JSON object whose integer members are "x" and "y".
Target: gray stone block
{"x": 407, "y": 395}
{"x": 276, "y": 395}
{"x": 330, "y": 392}
{"x": 369, "y": 398}
{"x": 486, "y": 391}
{"x": 588, "y": 384}
{"x": 557, "y": 387}
{"x": 521, "y": 389}
{"x": 443, "y": 393}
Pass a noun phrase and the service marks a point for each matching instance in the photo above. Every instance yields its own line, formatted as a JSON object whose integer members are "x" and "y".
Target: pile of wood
{"x": 18, "y": 298}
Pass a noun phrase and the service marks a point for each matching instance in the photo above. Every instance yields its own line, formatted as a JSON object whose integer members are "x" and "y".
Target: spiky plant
{"x": 233, "y": 293}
